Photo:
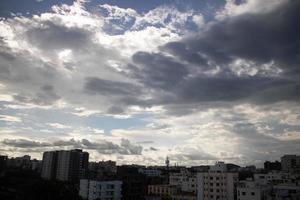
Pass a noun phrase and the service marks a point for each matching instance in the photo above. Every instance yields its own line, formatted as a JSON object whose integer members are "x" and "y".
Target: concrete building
{"x": 102, "y": 169}
{"x": 49, "y": 165}
{"x": 150, "y": 172}
{"x": 290, "y": 162}
{"x": 271, "y": 166}
{"x": 19, "y": 162}
{"x": 3, "y": 162}
{"x": 274, "y": 178}
{"x": 65, "y": 165}
{"x": 217, "y": 183}
{"x": 100, "y": 190}
{"x": 72, "y": 165}
{"x": 36, "y": 165}
{"x": 134, "y": 183}
{"x": 286, "y": 192}
{"x": 251, "y": 190}
{"x": 186, "y": 181}
{"x": 164, "y": 192}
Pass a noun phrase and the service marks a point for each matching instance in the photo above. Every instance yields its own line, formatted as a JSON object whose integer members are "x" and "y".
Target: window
{"x": 253, "y": 193}
{"x": 110, "y": 186}
{"x": 243, "y": 193}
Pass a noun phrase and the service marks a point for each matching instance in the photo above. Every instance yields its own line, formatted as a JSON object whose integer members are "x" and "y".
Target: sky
{"x": 198, "y": 81}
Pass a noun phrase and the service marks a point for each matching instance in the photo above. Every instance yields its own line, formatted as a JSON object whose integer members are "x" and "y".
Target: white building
{"x": 217, "y": 183}
{"x": 185, "y": 180}
{"x": 100, "y": 190}
{"x": 251, "y": 190}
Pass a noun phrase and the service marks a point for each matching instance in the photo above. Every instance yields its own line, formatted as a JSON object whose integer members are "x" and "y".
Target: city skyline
{"x": 135, "y": 82}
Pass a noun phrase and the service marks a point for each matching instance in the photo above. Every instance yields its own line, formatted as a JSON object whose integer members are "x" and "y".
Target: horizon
{"x": 135, "y": 82}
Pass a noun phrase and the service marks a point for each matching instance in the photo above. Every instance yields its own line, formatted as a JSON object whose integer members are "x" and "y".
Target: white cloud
{"x": 199, "y": 20}
{"x": 58, "y": 125}
{"x": 9, "y": 118}
{"x": 247, "y": 6}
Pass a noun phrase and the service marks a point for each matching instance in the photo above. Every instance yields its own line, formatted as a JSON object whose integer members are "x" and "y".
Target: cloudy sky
{"x": 136, "y": 81}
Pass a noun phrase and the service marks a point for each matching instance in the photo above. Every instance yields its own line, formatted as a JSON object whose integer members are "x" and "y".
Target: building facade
{"x": 64, "y": 165}
{"x": 217, "y": 183}
{"x": 290, "y": 162}
{"x": 49, "y": 165}
{"x": 251, "y": 190}
{"x": 100, "y": 190}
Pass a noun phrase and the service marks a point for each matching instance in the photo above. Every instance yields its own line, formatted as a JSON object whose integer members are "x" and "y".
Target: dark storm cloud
{"x": 45, "y": 96}
{"x": 115, "y": 110}
{"x": 265, "y": 37}
{"x": 260, "y": 145}
{"x": 157, "y": 70}
{"x": 153, "y": 149}
{"x": 231, "y": 88}
{"x": 96, "y": 85}
{"x": 272, "y": 37}
{"x": 194, "y": 156}
{"x": 104, "y": 147}
{"x": 23, "y": 143}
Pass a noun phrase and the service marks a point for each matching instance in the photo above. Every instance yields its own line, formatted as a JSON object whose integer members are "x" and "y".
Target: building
{"x": 286, "y": 192}
{"x": 272, "y": 166}
{"x": 217, "y": 183}
{"x": 65, "y": 165}
{"x": 49, "y": 165}
{"x": 36, "y": 165}
{"x": 134, "y": 183}
{"x": 183, "y": 196}
{"x": 251, "y": 190}
{"x": 164, "y": 192}
{"x": 100, "y": 190}
{"x": 186, "y": 181}
{"x": 19, "y": 162}
{"x": 290, "y": 162}
{"x": 273, "y": 177}
{"x": 3, "y": 162}
{"x": 150, "y": 172}
{"x": 102, "y": 169}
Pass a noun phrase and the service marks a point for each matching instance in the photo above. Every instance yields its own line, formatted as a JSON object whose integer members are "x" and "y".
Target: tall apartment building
{"x": 290, "y": 162}
{"x": 49, "y": 165}
{"x": 100, "y": 190}
{"x": 65, "y": 165}
{"x": 217, "y": 183}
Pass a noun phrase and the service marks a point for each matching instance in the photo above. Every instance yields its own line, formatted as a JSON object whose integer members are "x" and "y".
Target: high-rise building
{"x": 65, "y": 165}
{"x": 290, "y": 162}
{"x": 217, "y": 183}
{"x": 49, "y": 165}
